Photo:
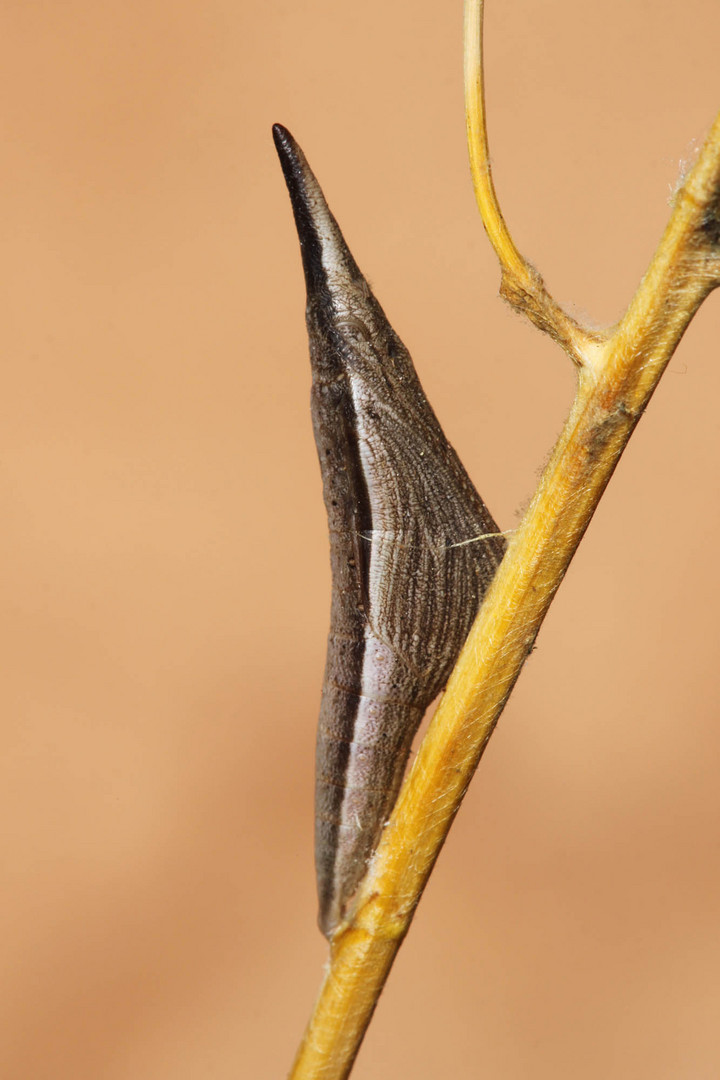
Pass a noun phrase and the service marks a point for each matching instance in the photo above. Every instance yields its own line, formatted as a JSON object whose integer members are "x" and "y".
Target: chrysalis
{"x": 406, "y": 585}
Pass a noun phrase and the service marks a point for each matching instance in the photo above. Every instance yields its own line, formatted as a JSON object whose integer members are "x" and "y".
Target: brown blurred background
{"x": 164, "y": 593}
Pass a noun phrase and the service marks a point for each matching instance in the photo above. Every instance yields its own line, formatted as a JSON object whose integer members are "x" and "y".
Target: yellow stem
{"x": 521, "y": 285}
{"x": 618, "y": 374}
{"x": 494, "y": 222}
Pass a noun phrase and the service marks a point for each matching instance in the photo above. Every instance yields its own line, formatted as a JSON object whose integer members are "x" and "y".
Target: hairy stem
{"x": 617, "y": 374}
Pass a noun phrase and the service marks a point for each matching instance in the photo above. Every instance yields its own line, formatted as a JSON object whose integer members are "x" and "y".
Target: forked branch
{"x": 617, "y": 374}
{"x": 521, "y": 285}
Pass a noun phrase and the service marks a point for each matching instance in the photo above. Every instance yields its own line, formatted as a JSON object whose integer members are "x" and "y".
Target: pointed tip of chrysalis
{"x": 326, "y": 258}
{"x": 283, "y": 140}
{"x": 298, "y": 174}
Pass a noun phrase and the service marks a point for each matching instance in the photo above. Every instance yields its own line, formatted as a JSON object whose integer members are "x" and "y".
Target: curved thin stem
{"x": 510, "y": 258}
{"x": 521, "y": 284}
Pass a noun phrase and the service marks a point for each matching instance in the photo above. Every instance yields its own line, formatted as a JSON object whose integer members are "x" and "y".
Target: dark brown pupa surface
{"x": 401, "y": 508}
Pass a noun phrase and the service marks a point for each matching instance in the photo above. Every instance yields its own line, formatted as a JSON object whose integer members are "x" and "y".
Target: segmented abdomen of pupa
{"x": 412, "y": 547}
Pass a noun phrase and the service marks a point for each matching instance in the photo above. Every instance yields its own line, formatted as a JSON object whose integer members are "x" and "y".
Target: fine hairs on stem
{"x": 617, "y": 372}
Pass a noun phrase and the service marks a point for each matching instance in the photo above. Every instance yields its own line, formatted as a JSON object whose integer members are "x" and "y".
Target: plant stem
{"x": 617, "y": 374}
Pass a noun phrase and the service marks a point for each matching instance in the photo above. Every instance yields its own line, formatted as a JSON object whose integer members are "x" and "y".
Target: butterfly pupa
{"x": 405, "y": 588}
